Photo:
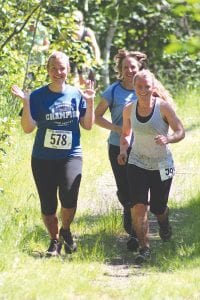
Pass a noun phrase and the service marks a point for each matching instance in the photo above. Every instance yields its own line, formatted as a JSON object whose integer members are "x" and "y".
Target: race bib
{"x": 58, "y": 139}
{"x": 167, "y": 170}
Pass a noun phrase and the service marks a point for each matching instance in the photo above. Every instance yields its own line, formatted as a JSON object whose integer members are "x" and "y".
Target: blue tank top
{"x": 57, "y": 116}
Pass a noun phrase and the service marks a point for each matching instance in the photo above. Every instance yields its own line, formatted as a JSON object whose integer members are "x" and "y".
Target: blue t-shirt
{"x": 117, "y": 97}
{"x": 57, "y": 116}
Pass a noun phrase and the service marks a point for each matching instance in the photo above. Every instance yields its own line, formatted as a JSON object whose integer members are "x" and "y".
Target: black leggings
{"x": 63, "y": 175}
{"x": 120, "y": 173}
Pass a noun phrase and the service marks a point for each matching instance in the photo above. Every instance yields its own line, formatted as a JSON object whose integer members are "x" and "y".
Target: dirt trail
{"x": 122, "y": 269}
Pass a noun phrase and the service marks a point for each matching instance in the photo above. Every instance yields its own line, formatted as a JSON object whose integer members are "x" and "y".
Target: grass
{"x": 102, "y": 267}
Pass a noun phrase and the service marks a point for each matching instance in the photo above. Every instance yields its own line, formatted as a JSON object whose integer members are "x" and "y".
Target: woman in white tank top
{"x": 150, "y": 164}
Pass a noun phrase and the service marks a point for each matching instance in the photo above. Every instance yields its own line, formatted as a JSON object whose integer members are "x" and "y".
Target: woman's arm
{"x": 101, "y": 121}
{"x": 27, "y": 122}
{"x": 126, "y": 135}
{"x": 175, "y": 124}
{"x": 88, "y": 119}
{"x": 94, "y": 45}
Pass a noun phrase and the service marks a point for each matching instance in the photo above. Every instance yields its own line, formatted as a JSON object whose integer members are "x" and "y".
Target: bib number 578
{"x": 58, "y": 139}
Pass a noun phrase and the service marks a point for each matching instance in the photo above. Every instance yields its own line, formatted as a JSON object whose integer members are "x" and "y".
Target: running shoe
{"x": 54, "y": 248}
{"x": 69, "y": 245}
{"x": 143, "y": 255}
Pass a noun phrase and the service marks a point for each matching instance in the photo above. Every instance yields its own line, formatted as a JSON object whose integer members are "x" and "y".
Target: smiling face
{"x": 130, "y": 67}
{"x": 58, "y": 68}
{"x": 144, "y": 84}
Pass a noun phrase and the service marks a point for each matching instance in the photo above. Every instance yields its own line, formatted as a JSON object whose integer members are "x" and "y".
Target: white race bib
{"x": 167, "y": 169}
{"x": 58, "y": 139}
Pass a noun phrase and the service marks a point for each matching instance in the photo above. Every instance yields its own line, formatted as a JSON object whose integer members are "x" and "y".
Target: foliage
{"x": 167, "y": 31}
{"x": 6, "y": 129}
{"x": 179, "y": 71}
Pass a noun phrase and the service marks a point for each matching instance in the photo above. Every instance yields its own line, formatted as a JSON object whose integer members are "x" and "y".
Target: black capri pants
{"x": 120, "y": 174}
{"x": 141, "y": 182}
{"x": 52, "y": 177}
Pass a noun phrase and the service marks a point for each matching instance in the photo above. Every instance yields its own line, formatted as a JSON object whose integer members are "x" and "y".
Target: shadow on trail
{"x": 100, "y": 238}
{"x": 183, "y": 249}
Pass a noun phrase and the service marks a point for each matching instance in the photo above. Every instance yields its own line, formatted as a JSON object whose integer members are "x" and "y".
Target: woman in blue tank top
{"x": 150, "y": 163}
{"x": 57, "y": 110}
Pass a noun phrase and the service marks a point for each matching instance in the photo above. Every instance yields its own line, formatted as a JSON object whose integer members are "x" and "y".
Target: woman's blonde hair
{"x": 159, "y": 90}
{"x": 58, "y": 55}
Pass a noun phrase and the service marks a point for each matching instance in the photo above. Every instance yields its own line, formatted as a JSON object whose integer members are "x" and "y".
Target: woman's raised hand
{"x": 19, "y": 93}
{"x": 89, "y": 93}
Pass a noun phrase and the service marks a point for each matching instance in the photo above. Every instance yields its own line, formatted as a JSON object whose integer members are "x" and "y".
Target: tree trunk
{"x": 106, "y": 53}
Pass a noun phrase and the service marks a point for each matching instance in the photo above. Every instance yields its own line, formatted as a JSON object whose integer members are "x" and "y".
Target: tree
{"x": 167, "y": 31}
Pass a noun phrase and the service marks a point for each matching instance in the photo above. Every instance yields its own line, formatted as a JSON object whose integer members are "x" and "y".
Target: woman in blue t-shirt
{"x": 57, "y": 110}
{"x": 116, "y": 97}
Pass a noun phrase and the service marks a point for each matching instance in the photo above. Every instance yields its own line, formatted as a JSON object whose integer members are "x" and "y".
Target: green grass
{"x": 102, "y": 268}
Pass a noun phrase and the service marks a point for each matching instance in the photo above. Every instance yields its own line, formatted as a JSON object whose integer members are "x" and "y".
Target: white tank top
{"x": 145, "y": 152}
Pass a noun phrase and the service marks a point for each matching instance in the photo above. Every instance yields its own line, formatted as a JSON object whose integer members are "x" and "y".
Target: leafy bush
{"x": 6, "y": 127}
{"x": 179, "y": 71}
